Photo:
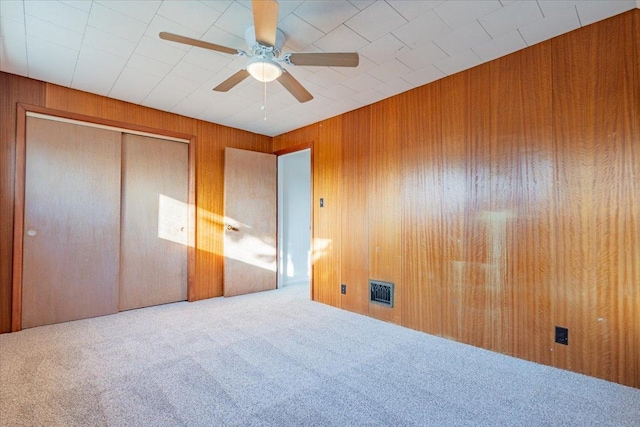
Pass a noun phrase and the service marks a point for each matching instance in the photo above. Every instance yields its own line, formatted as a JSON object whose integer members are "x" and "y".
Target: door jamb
{"x": 293, "y": 149}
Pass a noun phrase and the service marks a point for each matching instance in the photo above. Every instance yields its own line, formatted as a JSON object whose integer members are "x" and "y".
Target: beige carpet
{"x": 277, "y": 359}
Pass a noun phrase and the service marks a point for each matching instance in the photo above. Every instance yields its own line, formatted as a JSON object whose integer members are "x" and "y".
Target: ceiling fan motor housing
{"x": 261, "y": 50}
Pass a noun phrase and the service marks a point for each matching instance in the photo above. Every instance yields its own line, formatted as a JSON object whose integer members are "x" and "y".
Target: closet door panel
{"x": 153, "y": 259}
{"x": 72, "y": 222}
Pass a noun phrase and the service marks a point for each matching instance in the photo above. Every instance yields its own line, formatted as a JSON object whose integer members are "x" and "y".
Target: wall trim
{"x": 293, "y": 149}
{"x": 115, "y": 127}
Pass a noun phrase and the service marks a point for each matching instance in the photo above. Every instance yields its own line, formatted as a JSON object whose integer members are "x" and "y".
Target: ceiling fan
{"x": 265, "y": 41}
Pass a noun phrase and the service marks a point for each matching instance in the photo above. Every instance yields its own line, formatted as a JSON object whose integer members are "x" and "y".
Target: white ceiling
{"x": 111, "y": 48}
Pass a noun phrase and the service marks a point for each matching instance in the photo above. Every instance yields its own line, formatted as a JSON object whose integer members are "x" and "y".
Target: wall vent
{"x": 381, "y": 293}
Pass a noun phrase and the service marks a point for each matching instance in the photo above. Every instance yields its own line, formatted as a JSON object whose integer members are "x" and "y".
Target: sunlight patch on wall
{"x": 321, "y": 247}
{"x": 253, "y": 250}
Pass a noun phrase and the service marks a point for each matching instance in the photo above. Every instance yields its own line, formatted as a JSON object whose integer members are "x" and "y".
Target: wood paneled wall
{"x": 596, "y": 86}
{"x": 502, "y": 201}
{"x": 211, "y": 139}
{"x": 326, "y": 220}
{"x": 354, "y": 218}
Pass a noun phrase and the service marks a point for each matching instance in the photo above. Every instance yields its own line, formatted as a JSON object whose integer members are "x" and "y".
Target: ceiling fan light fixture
{"x": 265, "y": 42}
{"x": 264, "y": 69}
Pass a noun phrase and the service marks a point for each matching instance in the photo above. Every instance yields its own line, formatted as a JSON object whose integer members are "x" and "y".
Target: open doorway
{"x": 294, "y": 219}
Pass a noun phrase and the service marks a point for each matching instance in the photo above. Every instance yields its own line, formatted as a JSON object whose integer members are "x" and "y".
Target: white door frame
{"x": 281, "y": 225}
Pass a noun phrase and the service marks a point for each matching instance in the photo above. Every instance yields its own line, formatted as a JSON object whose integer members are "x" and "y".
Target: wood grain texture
{"x": 539, "y": 177}
{"x": 73, "y": 101}
{"x": 303, "y": 135}
{"x": 251, "y": 222}
{"x": 90, "y": 105}
{"x": 598, "y": 248}
{"x": 210, "y": 212}
{"x": 18, "y": 223}
{"x": 385, "y": 203}
{"x": 192, "y": 204}
{"x": 354, "y": 194}
{"x": 71, "y": 222}
{"x": 521, "y": 215}
{"x": 467, "y": 316}
{"x": 629, "y": 298}
{"x": 210, "y": 140}
{"x": 324, "y": 249}
{"x": 421, "y": 198}
{"x": 14, "y": 89}
{"x": 568, "y": 259}
{"x": 326, "y": 245}
{"x": 265, "y": 20}
{"x": 154, "y": 222}
{"x": 118, "y": 126}
{"x": 294, "y": 148}
{"x": 65, "y": 116}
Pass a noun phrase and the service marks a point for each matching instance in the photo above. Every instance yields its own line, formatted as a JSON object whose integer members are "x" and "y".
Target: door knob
{"x": 231, "y": 228}
{"x": 31, "y": 232}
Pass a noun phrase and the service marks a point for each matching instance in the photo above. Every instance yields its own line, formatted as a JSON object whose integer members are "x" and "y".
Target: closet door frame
{"x": 20, "y": 175}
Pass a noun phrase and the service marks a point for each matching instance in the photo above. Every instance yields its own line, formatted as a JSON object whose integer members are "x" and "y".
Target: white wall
{"x": 294, "y": 217}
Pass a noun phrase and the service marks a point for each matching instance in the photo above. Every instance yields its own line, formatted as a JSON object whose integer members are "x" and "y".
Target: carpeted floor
{"x": 278, "y": 359}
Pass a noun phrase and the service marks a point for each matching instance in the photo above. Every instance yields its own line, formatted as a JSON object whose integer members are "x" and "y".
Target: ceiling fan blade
{"x": 346, "y": 59}
{"x": 294, "y": 87}
{"x": 199, "y": 43}
{"x": 265, "y": 20}
{"x": 232, "y": 81}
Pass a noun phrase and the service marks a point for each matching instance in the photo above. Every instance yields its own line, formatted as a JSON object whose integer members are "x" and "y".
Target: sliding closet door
{"x": 153, "y": 259}
{"x": 72, "y": 222}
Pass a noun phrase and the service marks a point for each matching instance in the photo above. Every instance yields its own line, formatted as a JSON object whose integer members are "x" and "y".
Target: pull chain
{"x": 264, "y": 105}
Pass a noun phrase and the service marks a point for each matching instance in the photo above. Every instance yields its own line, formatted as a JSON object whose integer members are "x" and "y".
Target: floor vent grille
{"x": 381, "y": 292}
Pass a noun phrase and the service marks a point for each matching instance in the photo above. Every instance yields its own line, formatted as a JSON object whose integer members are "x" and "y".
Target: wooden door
{"x": 153, "y": 258}
{"x": 71, "y": 222}
{"x": 250, "y": 200}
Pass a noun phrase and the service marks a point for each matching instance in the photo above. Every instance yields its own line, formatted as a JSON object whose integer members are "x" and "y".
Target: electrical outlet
{"x": 343, "y": 289}
{"x": 562, "y": 335}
